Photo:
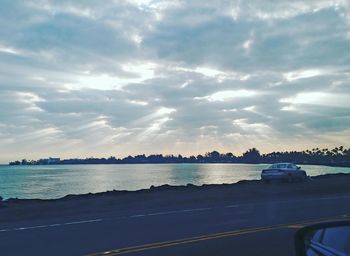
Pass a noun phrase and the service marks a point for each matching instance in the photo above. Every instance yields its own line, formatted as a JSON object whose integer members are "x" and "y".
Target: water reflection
{"x": 60, "y": 180}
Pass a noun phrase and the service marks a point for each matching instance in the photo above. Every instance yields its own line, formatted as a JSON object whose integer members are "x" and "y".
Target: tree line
{"x": 338, "y": 156}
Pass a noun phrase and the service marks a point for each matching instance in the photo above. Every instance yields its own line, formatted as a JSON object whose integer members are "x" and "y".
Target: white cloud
{"x": 139, "y": 102}
{"x": 319, "y": 98}
{"x": 228, "y": 95}
{"x": 134, "y": 73}
{"x": 248, "y": 44}
{"x": 102, "y": 82}
{"x": 93, "y": 78}
{"x": 9, "y": 50}
{"x": 300, "y": 74}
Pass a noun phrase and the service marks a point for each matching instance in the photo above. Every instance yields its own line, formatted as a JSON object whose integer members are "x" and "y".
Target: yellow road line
{"x": 170, "y": 243}
{"x": 295, "y": 226}
{"x": 177, "y": 242}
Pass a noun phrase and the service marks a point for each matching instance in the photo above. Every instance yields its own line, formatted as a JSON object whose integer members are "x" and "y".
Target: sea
{"x": 56, "y": 181}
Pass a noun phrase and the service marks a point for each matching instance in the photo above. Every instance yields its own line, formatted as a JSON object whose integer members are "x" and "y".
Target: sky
{"x": 101, "y": 78}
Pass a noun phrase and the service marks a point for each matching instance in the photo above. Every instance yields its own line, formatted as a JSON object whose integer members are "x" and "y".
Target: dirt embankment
{"x": 171, "y": 196}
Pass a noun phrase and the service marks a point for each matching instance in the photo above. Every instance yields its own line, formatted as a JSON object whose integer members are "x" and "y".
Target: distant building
{"x": 53, "y": 160}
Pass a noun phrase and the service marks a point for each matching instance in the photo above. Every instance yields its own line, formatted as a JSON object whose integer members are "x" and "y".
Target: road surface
{"x": 260, "y": 227}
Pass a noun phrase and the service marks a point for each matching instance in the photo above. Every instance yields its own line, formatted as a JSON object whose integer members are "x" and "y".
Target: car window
{"x": 337, "y": 238}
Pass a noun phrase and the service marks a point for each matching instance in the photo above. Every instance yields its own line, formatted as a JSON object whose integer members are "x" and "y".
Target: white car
{"x": 283, "y": 171}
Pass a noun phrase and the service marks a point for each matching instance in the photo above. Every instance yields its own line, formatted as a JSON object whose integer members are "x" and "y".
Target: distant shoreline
{"x": 346, "y": 165}
{"x": 338, "y": 157}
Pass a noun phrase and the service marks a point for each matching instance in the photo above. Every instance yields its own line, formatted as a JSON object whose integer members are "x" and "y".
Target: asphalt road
{"x": 254, "y": 228}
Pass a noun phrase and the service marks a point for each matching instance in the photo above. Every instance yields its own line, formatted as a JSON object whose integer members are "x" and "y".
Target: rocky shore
{"x": 167, "y": 196}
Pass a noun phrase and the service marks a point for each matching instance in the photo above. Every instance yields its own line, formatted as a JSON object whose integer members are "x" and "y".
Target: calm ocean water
{"x": 56, "y": 181}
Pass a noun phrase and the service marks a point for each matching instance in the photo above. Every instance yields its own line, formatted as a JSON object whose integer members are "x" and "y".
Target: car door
{"x": 291, "y": 171}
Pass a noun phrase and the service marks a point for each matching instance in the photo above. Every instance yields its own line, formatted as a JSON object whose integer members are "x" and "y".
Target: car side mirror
{"x": 324, "y": 239}
{"x": 298, "y": 167}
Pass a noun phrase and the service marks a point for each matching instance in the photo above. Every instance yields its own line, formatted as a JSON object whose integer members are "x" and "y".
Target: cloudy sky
{"x": 101, "y": 78}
